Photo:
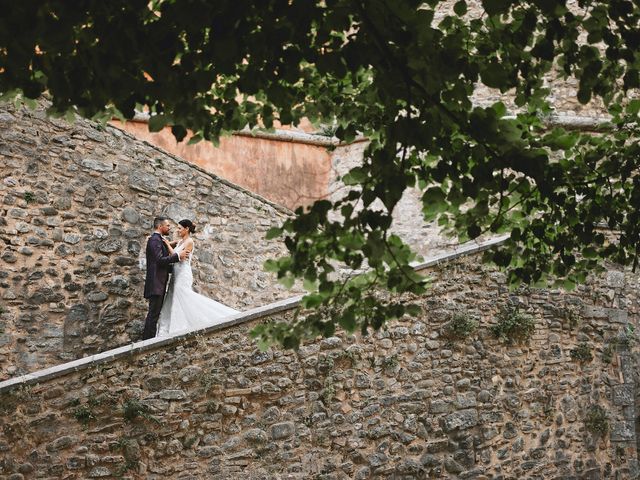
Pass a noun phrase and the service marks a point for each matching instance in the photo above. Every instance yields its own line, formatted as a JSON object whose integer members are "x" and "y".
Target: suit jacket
{"x": 158, "y": 264}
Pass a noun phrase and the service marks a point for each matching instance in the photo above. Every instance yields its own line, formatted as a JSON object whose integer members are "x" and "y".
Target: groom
{"x": 158, "y": 265}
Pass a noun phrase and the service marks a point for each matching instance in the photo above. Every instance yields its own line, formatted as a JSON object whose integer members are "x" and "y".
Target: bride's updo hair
{"x": 188, "y": 224}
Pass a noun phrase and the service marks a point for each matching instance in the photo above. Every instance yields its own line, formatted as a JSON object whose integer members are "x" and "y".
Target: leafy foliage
{"x": 461, "y": 326}
{"x": 596, "y": 420}
{"x": 133, "y": 409}
{"x": 84, "y": 414}
{"x": 398, "y": 73}
{"x": 582, "y": 353}
{"x": 513, "y": 325}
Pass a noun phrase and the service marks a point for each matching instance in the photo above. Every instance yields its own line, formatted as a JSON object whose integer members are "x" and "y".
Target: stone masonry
{"x": 407, "y": 402}
{"x": 76, "y": 205}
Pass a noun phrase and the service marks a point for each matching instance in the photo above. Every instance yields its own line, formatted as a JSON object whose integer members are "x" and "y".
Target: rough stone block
{"x": 283, "y": 430}
{"x": 172, "y": 394}
{"x": 439, "y": 406}
{"x": 460, "y": 420}
{"x": 622, "y": 431}
{"x": 616, "y": 315}
{"x": 615, "y": 279}
{"x": 62, "y": 443}
{"x": 590, "y": 311}
{"x": 623, "y": 394}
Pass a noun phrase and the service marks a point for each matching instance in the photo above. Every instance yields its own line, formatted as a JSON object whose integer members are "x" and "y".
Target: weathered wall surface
{"x": 562, "y": 92}
{"x": 288, "y": 173}
{"x": 402, "y": 403}
{"x": 76, "y": 206}
{"x": 425, "y": 238}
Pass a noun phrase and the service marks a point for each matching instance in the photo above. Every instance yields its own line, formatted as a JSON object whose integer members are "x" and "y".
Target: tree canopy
{"x": 400, "y": 72}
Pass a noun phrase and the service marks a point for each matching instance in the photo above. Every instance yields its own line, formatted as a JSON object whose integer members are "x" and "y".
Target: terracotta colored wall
{"x": 287, "y": 173}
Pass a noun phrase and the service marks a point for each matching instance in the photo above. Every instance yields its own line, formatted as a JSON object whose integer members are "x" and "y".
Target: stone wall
{"x": 425, "y": 238}
{"x": 76, "y": 205}
{"x": 406, "y": 402}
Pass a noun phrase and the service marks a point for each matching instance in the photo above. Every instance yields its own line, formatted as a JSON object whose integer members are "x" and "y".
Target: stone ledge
{"x": 468, "y": 248}
{"x": 278, "y": 134}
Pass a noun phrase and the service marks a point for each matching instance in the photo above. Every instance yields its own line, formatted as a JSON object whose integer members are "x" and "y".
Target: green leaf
{"x": 271, "y": 266}
{"x": 179, "y": 132}
{"x": 495, "y": 75}
{"x": 157, "y": 122}
{"x": 273, "y": 232}
{"x": 311, "y": 301}
{"x": 195, "y": 139}
{"x": 500, "y": 109}
{"x": 355, "y": 176}
{"x": 310, "y": 285}
{"x": 460, "y": 8}
{"x": 494, "y": 7}
{"x": 287, "y": 281}
{"x": 633, "y": 107}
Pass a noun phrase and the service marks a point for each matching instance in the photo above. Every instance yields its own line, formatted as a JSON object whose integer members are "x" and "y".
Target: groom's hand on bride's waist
{"x": 183, "y": 255}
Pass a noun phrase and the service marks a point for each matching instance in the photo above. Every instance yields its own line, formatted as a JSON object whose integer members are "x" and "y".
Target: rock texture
{"x": 76, "y": 205}
{"x": 407, "y": 402}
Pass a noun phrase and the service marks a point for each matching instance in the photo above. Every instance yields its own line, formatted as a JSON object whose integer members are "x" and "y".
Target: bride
{"x": 184, "y": 309}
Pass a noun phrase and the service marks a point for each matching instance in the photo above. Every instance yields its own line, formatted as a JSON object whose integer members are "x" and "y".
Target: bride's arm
{"x": 188, "y": 246}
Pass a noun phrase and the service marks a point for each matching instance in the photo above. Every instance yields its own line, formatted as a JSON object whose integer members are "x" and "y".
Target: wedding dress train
{"x": 184, "y": 309}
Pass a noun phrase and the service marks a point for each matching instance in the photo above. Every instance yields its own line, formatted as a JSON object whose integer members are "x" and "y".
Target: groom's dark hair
{"x": 158, "y": 220}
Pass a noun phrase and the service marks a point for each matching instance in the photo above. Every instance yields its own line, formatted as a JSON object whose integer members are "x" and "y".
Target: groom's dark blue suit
{"x": 158, "y": 264}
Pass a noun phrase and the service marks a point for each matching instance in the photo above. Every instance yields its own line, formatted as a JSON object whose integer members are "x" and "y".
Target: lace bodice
{"x": 179, "y": 247}
{"x": 182, "y": 270}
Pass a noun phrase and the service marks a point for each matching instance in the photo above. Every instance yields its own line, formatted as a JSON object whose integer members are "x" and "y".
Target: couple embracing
{"x": 178, "y": 307}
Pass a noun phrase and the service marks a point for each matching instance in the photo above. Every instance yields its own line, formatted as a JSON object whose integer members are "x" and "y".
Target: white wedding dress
{"x": 184, "y": 309}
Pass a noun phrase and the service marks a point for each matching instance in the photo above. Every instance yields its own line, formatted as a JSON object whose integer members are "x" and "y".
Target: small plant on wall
{"x": 460, "y": 326}
{"x": 513, "y": 325}
{"x": 133, "y": 409}
{"x": 596, "y": 420}
{"x": 582, "y": 353}
{"x": 84, "y": 414}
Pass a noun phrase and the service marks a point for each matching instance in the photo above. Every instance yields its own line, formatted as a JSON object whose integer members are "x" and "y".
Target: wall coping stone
{"x": 278, "y": 134}
{"x": 575, "y": 122}
{"x": 236, "y": 319}
{"x": 281, "y": 135}
{"x": 468, "y": 248}
{"x": 559, "y": 119}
